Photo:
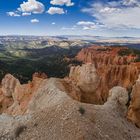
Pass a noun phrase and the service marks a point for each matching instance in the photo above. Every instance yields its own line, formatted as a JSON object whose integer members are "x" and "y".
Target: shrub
{"x": 125, "y": 52}
{"x": 81, "y": 110}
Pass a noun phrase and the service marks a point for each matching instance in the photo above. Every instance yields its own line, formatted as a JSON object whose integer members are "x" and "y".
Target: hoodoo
{"x": 116, "y": 66}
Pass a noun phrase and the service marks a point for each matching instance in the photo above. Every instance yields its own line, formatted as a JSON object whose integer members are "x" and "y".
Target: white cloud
{"x": 131, "y": 2}
{"x": 68, "y": 28}
{"x": 53, "y": 23}
{"x": 85, "y": 23}
{"x": 62, "y": 2}
{"x": 32, "y": 6}
{"x": 26, "y": 14}
{"x": 34, "y": 20}
{"x": 13, "y": 14}
{"x": 89, "y": 25}
{"x": 122, "y": 14}
{"x": 108, "y": 10}
{"x": 55, "y": 10}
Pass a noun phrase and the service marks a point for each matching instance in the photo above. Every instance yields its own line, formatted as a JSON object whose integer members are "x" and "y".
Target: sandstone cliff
{"x": 85, "y": 78}
{"x": 14, "y": 97}
{"x": 53, "y": 115}
{"x": 134, "y": 108}
{"x": 113, "y": 69}
{"x": 52, "y": 108}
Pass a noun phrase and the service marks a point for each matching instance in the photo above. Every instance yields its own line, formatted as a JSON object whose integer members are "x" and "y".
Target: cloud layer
{"x": 13, "y": 14}
{"x": 34, "y": 20}
{"x": 62, "y": 2}
{"x": 26, "y": 14}
{"x": 35, "y": 7}
{"x": 55, "y": 10}
{"x": 121, "y": 14}
{"x": 32, "y": 6}
{"x": 88, "y": 25}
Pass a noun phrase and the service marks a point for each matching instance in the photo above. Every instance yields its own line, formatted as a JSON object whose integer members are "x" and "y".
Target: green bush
{"x": 125, "y": 52}
{"x": 81, "y": 110}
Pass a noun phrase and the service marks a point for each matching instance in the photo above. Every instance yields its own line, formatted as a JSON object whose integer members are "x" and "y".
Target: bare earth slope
{"x": 58, "y": 117}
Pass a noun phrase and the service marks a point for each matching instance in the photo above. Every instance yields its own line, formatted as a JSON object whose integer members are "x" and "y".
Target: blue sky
{"x": 70, "y": 17}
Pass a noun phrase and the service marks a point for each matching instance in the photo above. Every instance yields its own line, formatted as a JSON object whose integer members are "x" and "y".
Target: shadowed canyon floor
{"x": 93, "y": 102}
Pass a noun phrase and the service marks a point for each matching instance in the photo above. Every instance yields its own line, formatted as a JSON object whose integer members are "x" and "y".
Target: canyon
{"x": 97, "y": 100}
{"x": 114, "y": 68}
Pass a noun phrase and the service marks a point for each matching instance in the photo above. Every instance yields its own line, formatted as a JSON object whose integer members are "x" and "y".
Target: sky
{"x": 111, "y": 18}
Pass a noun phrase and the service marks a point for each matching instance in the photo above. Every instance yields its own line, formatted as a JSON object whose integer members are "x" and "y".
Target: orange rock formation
{"x": 104, "y": 69}
{"x": 134, "y": 108}
{"x": 113, "y": 69}
{"x": 14, "y": 97}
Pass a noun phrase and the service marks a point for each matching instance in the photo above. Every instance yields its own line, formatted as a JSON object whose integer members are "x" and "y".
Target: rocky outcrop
{"x": 8, "y": 85}
{"x": 53, "y": 115}
{"x": 119, "y": 95}
{"x": 114, "y": 69}
{"x": 134, "y": 108}
{"x": 85, "y": 77}
{"x": 87, "y": 80}
{"x": 113, "y": 75}
{"x": 14, "y": 97}
{"x": 43, "y": 109}
{"x": 94, "y": 84}
{"x": 105, "y": 56}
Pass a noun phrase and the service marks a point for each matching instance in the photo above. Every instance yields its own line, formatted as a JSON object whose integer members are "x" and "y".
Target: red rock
{"x": 8, "y": 85}
{"x": 85, "y": 78}
{"x": 134, "y": 108}
{"x": 15, "y": 97}
{"x": 113, "y": 69}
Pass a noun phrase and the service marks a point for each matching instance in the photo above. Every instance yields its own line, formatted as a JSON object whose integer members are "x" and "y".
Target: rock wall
{"x": 14, "y": 97}
{"x": 113, "y": 69}
{"x": 89, "y": 83}
{"x": 53, "y": 115}
{"x": 85, "y": 78}
{"x": 134, "y": 108}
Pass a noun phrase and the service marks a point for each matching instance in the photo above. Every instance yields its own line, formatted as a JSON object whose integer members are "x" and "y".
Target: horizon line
{"x": 68, "y": 35}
